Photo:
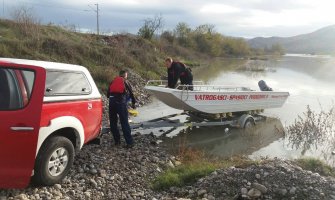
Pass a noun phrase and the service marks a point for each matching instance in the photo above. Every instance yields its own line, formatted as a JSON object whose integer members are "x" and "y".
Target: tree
{"x": 207, "y": 40}
{"x": 277, "y": 49}
{"x": 150, "y": 26}
{"x": 168, "y": 36}
{"x": 205, "y": 29}
{"x": 183, "y": 34}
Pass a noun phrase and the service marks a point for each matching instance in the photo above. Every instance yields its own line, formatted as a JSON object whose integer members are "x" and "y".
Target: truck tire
{"x": 53, "y": 161}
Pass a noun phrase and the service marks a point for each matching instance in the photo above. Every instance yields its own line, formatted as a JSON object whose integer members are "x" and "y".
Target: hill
{"x": 321, "y": 41}
{"x": 103, "y": 55}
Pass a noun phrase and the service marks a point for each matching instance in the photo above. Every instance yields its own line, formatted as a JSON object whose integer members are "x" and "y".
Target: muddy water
{"x": 310, "y": 81}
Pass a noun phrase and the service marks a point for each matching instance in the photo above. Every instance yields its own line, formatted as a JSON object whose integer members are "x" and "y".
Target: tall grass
{"x": 316, "y": 165}
{"x": 314, "y": 131}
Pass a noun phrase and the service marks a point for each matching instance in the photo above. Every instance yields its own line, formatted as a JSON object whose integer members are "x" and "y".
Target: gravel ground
{"x": 106, "y": 172}
{"x": 109, "y": 172}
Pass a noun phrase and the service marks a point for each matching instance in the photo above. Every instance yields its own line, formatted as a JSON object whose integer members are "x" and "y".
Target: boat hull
{"x": 218, "y": 101}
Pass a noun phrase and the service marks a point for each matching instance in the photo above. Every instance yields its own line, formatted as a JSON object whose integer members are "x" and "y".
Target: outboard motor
{"x": 263, "y": 86}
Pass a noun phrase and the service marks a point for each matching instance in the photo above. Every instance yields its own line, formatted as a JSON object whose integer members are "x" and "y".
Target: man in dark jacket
{"x": 176, "y": 71}
{"x": 119, "y": 92}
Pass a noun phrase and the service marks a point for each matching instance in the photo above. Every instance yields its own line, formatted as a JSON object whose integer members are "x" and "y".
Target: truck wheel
{"x": 249, "y": 123}
{"x": 53, "y": 161}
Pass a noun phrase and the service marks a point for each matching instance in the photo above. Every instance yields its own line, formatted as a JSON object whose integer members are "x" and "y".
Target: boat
{"x": 215, "y": 99}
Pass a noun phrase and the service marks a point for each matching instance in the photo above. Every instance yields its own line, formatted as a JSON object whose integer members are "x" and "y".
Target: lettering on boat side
{"x": 258, "y": 96}
{"x": 209, "y": 97}
{"x": 278, "y": 96}
{"x": 238, "y": 97}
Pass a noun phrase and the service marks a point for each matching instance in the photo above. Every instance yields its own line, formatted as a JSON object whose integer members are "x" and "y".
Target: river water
{"x": 308, "y": 79}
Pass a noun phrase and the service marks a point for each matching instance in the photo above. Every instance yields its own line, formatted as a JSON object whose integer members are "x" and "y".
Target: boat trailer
{"x": 240, "y": 121}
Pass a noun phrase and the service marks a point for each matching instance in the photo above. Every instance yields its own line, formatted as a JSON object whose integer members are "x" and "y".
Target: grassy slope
{"x": 104, "y": 56}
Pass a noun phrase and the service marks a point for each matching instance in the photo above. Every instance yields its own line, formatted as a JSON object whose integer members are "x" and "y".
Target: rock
{"x": 258, "y": 176}
{"x": 293, "y": 190}
{"x": 191, "y": 192}
{"x": 259, "y": 187}
{"x": 201, "y": 192}
{"x": 37, "y": 196}
{"x": 244, "y": 191}
{"x": 81, "y": 170}
{"x": 103, "y": 173}
{"x": 170, "y": 164}
{"x": 155, "y": 159}
{"x": 177, "y": 163}
{"x": 93, "y": 171}
{"x": 21, "y": 197}
{"x": 254, "y": 193}
{"x": 87, "y": 194}
{"x": 94, "y": 183}
{"x": 282, "y": 192}
{"x": 57, "y": 186}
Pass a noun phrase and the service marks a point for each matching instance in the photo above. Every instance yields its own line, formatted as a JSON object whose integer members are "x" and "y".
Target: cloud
{"x": 218, "y": 9}
{"x": 235, "y": 18}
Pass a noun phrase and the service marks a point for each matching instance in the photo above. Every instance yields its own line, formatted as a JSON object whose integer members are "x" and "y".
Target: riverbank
{"x": 108, "y": 172}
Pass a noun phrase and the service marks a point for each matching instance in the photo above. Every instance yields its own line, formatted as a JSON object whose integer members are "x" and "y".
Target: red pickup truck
{"x": 48, "y": 111}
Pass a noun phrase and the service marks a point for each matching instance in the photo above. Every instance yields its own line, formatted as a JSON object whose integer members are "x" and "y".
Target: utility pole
{"x": 97, "y": 18}
{"x": 97, "y": 11}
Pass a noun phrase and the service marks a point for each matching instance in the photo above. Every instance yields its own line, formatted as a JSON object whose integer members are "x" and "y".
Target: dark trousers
{"x": 117, "y": 108}
{"x": 188, "y": 80}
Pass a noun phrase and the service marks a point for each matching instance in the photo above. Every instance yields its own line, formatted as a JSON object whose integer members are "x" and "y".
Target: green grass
{"x": 195, "y": 165}
{"x": 316, "y": 165}
{"x": 182, "y": 175}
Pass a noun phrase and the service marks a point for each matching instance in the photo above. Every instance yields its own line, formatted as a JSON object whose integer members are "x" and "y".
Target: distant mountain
{"x": 321, "y": 41}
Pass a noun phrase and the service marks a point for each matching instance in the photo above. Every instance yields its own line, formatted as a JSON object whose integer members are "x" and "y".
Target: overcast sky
{"x": 240, "y": 18}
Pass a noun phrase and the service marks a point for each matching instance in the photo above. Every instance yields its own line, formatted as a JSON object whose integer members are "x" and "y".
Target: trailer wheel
{"x": 249, "y": 123}
{"x": 53, "y": 161}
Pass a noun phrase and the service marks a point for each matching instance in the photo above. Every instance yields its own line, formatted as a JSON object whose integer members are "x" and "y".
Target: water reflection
{"x": 213, "y": 69}
{"x": 217, "y": 141}
{"x": 319, "y": 67}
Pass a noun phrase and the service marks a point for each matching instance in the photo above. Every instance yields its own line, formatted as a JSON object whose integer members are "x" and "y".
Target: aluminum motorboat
{"x": 214, "y": 99}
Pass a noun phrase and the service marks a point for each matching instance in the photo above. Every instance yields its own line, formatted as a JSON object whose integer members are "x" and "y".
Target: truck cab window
{"x": 15, "y": 88}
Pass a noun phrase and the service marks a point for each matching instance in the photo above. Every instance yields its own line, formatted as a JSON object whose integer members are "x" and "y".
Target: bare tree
{"x": 150, "y": 26}
{"x": 26, "y": 20}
